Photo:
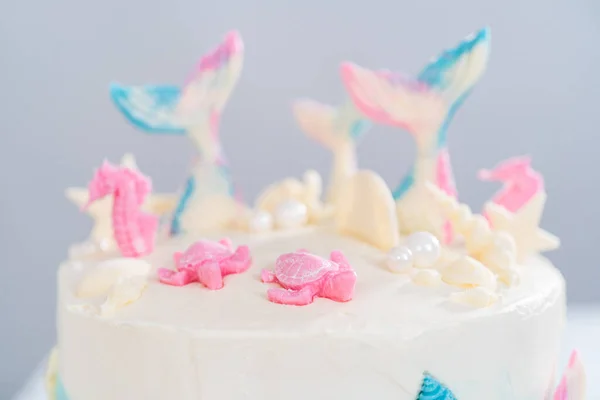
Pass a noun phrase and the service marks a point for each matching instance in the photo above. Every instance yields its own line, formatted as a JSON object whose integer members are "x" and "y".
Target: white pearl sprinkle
{"x": 425, "y": 248}
{"x": 260, "y": 222}
{"x": 400, "y": 259}
{"x": 291, "y": 214}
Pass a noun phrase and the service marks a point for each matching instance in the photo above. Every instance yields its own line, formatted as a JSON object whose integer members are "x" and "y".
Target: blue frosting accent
{"x": 190, "y": 187}
{"x": 149, "y": 108}
{"x": 405, "y": 184}
{"x": 437, "y": 74}
{"x": 59, "y": 391}
{"x": 359, "y": 128}
{"x": 432, "y": 389}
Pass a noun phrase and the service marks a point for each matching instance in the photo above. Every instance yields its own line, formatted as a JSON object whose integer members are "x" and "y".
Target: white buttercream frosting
{"x": 189, "y": 343}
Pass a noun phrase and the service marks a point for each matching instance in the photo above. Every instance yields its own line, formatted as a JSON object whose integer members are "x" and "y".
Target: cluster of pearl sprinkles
{"x": 289, "y": 204}
{"x": 419, "y": 250}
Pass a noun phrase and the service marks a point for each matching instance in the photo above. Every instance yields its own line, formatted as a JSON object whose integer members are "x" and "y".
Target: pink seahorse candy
{"x": 133, "y": 229}
{"x": 521, "y": 182}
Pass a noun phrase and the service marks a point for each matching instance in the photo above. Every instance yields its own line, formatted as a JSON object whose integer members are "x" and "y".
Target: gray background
{"x": 539, "y": 96}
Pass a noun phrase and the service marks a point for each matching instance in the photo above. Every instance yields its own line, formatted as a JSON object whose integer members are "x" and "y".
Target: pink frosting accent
{"x": 367, "y": 103}
{"x": 134, "y": 230}
{"x": 206, "y": 262}
{"x": 304, "y": 276}
{"x": 229, "y": 47}
{"x": 572, "y": 381}
{"x": 445, "y": 181}
{"x": 520, "y": 181}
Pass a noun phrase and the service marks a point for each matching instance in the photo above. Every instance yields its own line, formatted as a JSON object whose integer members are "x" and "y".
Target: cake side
{"x": 190, "y": 342}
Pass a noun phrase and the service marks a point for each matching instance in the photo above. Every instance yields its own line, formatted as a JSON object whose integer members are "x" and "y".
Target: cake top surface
{"x": 383, "y": 304}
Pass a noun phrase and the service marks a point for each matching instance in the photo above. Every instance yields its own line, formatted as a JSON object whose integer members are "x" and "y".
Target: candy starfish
{"x": 524, "y": 226}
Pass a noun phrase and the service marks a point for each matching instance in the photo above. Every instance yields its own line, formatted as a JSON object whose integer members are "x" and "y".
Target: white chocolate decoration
{"x": 367, "y": 211}
{"x": 492, "y": 247}
{"x": 478, "y": 297}
{"x": 121, "y": 280}
{"x": 399, "y": 260}
{"x": 468, "y": 272}
{"x": 500, "y": 256}
{"x": 425, "y": 248}
{"x": 307, "y": 192}
{"x": 212, "y": 211}
{"x": 523, "y": 225}
{"x": 291, "y": 214}
{"x": 99, "y": 280}
{"x": 124, "y": 292}
{"x": 427, "y": 277}
{"x": 260, "y": 222}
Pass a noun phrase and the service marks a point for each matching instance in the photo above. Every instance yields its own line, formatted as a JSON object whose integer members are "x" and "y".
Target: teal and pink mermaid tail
{"x": 193, "y": 110}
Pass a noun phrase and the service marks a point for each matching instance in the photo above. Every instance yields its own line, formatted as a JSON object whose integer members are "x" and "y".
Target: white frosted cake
{"x": 366, "y": 292}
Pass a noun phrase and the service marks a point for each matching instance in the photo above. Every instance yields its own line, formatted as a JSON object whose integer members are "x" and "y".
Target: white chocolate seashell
{"x": 366, "y": 210}
{"x": 478, "y": 297}
{"x": 124, "y": 292}
{"x": 427, "y": 277}
{"x": 468, "y": 272}
{"x": 501, "y": 256}
{"x": 477, "y": 235}
{"x": 99, "y": 280}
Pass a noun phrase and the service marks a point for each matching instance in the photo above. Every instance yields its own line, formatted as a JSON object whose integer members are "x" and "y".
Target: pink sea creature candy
{"x": 304, "y": 276}
{"x": 134, "y": 230}
{"x": 207, "y": 262}
{"x": 521, "y": 182}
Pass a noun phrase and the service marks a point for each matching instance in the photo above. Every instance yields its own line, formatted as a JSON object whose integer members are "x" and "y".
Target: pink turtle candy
{"x": 304, "y": 276}
{"x": 207, "y": 262}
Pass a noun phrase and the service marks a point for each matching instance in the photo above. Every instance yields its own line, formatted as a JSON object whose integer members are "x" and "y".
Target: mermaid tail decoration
{"x": 193, "y": 110}
{"x": 425, "y": 107}
{"x": 337, "y": 130}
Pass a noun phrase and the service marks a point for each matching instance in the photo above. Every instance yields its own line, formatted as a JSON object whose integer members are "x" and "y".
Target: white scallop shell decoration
{"x": 468, "y": 272}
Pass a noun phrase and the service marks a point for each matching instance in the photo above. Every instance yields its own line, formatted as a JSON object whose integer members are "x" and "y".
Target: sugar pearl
{"x": 260, "y": 221}
{"x": 425, "y": 248}
{"x": 399, "y": 259}
{"x": 291, "y": 214}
